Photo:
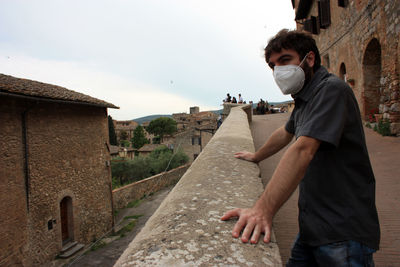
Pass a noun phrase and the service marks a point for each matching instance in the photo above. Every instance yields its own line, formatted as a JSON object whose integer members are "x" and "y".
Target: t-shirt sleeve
{"x": 326, "y": 116}
{"x": 289, "y": 127}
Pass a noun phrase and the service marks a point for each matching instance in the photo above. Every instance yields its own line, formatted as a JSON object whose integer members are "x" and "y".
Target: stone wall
{"x": 363, "y": 38}
{"x": 122, "y": 196}
{"x": 13, "y": 206}
{"x": 67, "y": 156}
{"x": 186, "y": 229}
{"x": 246, "y": 108}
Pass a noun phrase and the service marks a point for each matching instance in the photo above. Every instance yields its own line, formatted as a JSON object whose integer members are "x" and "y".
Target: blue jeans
{"x": 345, "y": 253}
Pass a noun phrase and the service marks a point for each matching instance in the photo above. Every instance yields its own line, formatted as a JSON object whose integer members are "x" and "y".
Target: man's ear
{"x": 310, "y": 59}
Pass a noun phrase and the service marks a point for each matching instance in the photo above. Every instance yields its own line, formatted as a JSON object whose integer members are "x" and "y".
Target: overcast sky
{"x": 145, "y": 56}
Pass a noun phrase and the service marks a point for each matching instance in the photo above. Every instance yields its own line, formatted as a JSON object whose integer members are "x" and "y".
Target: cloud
{"x": 127, "y": 52}
{"x": 134, "y": 98}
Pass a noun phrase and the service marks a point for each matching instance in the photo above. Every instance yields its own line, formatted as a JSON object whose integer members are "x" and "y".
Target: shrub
{"x": 161, "y": 159}
{"x": 384, "y": 127}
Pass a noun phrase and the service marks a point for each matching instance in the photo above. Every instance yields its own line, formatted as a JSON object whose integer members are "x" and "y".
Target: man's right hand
{"x": 245, "y": 155}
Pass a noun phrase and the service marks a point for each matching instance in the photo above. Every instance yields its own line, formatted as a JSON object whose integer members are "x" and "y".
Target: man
{"x": 329, "y": 161}
{"x": 240, "y": 99}
{"x": 228, "y": 98}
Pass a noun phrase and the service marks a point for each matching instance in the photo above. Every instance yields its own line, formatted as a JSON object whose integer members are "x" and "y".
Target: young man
{"x": 329, "y": 161}
{"x": 240, "y": 99}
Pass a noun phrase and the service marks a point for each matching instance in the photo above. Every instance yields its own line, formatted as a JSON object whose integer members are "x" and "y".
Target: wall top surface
{"x": 186, "y": 230}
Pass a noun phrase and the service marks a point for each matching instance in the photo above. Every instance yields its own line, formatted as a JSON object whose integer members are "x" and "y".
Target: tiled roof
{"x": 115, "y": 149}
{"x": 210, "y": 126}
{"x": 25, "y": 87}
{"x": 149, "y": 147}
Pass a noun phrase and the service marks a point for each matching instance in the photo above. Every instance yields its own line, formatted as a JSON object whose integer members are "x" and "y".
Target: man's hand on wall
{"x": 253, "y": 222}
{"x": 245, "y": 155}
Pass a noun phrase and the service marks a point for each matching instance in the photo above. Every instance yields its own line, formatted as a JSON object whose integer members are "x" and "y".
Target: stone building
{"x": 124, "y": 128}
{"x": 55, "y": 180}
{"x": 359, "y": 42}
{"x": 185, "y": 121}
{"x": 194, "y": 131}
{"x": 193, "y": 140}
{"x": 117, "y": 152}
{"x": 146, "y": 149}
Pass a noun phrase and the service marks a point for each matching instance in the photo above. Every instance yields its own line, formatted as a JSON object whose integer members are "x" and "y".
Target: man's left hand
{"x": 253, "y": 222}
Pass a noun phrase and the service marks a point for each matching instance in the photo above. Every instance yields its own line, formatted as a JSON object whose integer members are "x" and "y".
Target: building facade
{"x": 55, "y": 177}
{"x": 359, "y": 42}
{"x": 194, "y": 131}
{"x": 124, "y": 129}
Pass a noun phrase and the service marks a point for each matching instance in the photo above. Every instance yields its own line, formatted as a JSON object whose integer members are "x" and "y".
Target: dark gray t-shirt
{"x": 337, "y": 193}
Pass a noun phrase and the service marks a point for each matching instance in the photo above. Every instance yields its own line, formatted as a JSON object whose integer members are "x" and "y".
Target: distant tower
{"x": 194, "y": 110}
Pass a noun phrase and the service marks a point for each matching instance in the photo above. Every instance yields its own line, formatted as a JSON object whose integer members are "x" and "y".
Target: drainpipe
{"x": 26, "y": 153}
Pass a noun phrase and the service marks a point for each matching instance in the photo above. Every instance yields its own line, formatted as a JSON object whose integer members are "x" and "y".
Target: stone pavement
{"x": 385, "y": 159}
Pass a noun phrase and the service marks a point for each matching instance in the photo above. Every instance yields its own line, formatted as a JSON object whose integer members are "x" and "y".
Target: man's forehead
{"x": 276, "y": 55}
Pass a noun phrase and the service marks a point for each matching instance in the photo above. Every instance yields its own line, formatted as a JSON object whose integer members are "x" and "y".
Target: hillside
{"x": 150, "y": 118}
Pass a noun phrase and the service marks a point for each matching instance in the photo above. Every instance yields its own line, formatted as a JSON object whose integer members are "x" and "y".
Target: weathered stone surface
{"x": 363, "y": 37}
{"x": 186, "y": 230}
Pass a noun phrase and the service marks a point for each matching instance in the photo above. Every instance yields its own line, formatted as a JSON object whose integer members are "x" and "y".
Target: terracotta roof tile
{"x": 149, "y": 147}
{"x": 25, "y": 87}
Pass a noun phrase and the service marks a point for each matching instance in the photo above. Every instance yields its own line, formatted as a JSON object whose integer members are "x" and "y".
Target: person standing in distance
{"x": 338, "y": 221}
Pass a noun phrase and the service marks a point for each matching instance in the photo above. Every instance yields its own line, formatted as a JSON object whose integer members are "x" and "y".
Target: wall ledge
{"x": 186, "y": 229}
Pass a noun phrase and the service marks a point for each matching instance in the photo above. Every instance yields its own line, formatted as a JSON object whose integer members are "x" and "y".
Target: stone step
{"x": 68, "y": 246}
{"x": 71, "y": 251}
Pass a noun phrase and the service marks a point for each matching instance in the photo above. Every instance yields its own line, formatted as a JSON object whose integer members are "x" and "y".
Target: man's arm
{"x": 287, "y": 176}
{"x": 278, "y": 140}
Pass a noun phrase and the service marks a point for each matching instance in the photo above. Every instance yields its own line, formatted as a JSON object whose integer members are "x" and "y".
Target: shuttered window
{"x": 308, "y": 25}
{"x": 324, "y": 13}
{"x": 312, "y": 25}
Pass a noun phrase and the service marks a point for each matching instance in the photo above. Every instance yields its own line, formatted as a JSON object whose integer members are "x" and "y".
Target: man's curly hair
{"x": 300, "y": 42}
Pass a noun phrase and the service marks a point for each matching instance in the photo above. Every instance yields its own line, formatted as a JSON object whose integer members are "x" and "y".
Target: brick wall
{"x": 364, "y": 36}
{"x": 13, "y": 205}
{"x": 122, "y": 196}
{"x": 67, "y": 157}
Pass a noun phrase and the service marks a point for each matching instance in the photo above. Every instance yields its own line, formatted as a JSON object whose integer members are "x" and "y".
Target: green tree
{"x": 162, "y": 126}
{"x": 111, "y": 132}
{"x": 125, "y": 143}
{"x": 159, "y": 160}
{"x": 139, "y": 137}
{"x": 123, "y": 135}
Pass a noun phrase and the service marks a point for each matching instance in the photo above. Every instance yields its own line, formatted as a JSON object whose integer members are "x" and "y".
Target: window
{"x": 312, "y": 25}
{"x": 324, "y": 13}
{"x": 343, "y": 3}
{"x": 200, "y": 141}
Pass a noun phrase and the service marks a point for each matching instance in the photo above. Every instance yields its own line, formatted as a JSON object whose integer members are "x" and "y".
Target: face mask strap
{"x": 304, "y": 58}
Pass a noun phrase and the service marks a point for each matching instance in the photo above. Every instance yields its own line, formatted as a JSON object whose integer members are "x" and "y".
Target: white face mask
{"x": 290, "y": 78}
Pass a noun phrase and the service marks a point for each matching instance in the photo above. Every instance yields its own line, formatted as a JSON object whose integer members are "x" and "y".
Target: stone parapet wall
{"x": 246, "y": 108}
{"x": 122, "y": 196}
{"x": 186, "y": 229}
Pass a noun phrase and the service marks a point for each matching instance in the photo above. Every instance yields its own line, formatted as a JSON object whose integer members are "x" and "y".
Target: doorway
{"x": 372, "y": 76}
{"x": 66, "y": 220}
